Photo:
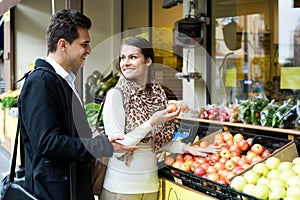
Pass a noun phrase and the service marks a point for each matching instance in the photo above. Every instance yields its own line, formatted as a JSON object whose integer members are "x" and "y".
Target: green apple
{"x": 249, "y": 189}
{"x": 293, "y": 191}
{"x": 263, "y": 180}
{"x": 285, "y": 165}
{"x": 261, "y": 169}
{"x": 296, "y": 160}
{"x": 251, "y": 176}
{"x": 292, "y": 197}
{"x": 277, "y": 192}
{"x": 238, "y": 183}
{"x": 287, "y": 174}
{"x": 272, "y": 162}
{"x": 276, "y": 181}
{"x": 261, "y": 191}
{"x": 296, "y": 168}
{"x": 294, "y": 181}
{"x": 273, "y": 173}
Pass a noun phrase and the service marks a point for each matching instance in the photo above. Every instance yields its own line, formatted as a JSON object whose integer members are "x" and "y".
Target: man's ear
{"x": 61, "y": 43}
{"x": 148, "y": 62}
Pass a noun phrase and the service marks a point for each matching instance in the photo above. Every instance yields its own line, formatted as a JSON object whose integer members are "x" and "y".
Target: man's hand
{"x": 118, "y": 147}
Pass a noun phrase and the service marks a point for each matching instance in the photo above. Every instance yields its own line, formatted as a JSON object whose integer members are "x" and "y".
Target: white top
{"x": 141, "y": 176}
{"x": 68, "y": 76}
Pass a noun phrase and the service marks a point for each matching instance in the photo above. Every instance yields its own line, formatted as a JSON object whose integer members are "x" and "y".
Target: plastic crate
{"x": 203, "y": 185}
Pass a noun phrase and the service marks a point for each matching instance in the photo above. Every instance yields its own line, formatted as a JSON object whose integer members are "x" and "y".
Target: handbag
{"x": 12, "y": 186}
{"x": 98, "y": 165}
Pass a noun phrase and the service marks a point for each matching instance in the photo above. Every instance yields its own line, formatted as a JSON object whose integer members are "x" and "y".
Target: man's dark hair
{"x": 64, "y": 24}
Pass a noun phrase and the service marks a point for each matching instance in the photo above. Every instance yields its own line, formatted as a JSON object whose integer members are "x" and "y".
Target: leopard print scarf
{"x": 140, "y": 105}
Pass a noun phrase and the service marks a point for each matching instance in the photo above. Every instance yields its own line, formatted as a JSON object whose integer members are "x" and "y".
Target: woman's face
{"x": 133, "y": 64}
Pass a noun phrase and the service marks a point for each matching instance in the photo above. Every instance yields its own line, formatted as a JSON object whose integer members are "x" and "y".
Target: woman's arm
{"x": 114, "y": 120}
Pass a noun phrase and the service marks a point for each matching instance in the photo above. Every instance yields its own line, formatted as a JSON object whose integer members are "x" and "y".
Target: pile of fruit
{"x": 236, "y": 154}
{"x": 272, "y": 179}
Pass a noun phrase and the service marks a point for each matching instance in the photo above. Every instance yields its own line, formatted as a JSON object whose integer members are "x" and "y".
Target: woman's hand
{"x": 118, "y": 147}
{"x": 163, "y": 116}
{"x": 198, "y": 151}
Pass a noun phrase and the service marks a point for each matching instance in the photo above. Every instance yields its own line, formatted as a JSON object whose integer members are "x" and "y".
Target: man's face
{"x": 79, "y": 50}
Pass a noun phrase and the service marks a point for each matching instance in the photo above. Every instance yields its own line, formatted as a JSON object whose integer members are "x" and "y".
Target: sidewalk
{"x": 5, "y": 160}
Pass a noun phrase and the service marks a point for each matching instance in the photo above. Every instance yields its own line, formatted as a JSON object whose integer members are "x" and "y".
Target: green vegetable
{"x": 280, "y": 112}
{"x": 9, "y": 102}
{"x": 266, "y": 115}
{"x": 92, "y": 111}
{"x": 244, "y": 111}
{"x": 257, "y": 105}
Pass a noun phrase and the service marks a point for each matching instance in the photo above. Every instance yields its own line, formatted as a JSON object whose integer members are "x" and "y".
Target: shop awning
{"x": 6, "y": 5}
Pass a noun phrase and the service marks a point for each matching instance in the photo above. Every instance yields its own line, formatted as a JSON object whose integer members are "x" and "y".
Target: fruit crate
{"x": 211, "y": 188}
{"x": 284, "y": 149}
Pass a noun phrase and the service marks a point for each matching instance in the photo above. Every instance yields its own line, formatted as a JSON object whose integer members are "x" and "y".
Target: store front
{"x": 232, "y": 53}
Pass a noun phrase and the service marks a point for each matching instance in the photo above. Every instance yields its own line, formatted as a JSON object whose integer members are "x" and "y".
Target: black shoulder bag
{"x": 11, "y": 188}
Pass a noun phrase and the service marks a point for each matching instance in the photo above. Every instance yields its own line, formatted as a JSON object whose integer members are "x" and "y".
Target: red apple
{"x": 190, "y": 162}
{"x": 179, "y": 157}
{"x": 185, "y": 167}
{"x": 238, "y": 137}
{"x": 235, "y": 159}
{"x": 205, "y": 165}
{"x": 250, "y": 155}
{"x": 257, "y": 148}
{"x": 242, "y": 161}
{"x": 177, "y": 164}
{"x": 199, "y": 171}
{"x": 249, "y": 140}
{"x": 222, "y": 181}
{"x": 243, "y": 144}
{"x": 169, "y": 161}
{"x": 229, "y": 143}
{"x": 213, "y": 177}
{"x": 230, "y": 165}
{"x": 235, "y": 148}
{"x": 255, "y": 159}
{"x": 265, "y": 153}
{"x": 211, "y": 169}
{"x": 223, "y": 159}
{"x": 215, "y": 157}
{"x": 194, "y": 165}
{"x": 235, "y": 153}
{"x": 224, "y": 153}
{"x": 237, "y": 169}
{"x": 227, "y": 136}
{"x": 219, "y": 166}
{"x": 188, "y": 157}
{"x": 200, "y": 159}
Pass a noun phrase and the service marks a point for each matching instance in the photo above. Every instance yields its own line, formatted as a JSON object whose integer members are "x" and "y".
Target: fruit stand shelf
{"x": 291, "y": 133}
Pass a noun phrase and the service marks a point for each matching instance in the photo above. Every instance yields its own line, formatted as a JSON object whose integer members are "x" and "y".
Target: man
{"x": 54, "y": 127}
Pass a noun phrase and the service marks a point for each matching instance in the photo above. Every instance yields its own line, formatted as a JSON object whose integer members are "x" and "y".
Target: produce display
{"x": 237, "y": 153}
{"x": 257, "y": 111}
{"x": 273, "y": 180}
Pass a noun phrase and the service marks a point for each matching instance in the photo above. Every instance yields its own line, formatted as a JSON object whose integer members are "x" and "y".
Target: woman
{"x": 136, "y": 109}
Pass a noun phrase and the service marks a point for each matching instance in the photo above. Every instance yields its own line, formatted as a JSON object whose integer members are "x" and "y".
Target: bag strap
{"x": 14, "y": 157}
